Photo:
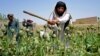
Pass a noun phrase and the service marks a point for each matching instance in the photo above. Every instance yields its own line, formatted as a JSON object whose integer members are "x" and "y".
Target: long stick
{"x": 35, "y": 15}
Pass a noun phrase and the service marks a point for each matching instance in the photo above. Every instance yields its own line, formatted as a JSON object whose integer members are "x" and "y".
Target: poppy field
{"x": 82, "y": 41}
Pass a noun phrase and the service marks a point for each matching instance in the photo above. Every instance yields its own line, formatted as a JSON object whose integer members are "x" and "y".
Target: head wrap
{"x": 60, "y": 4}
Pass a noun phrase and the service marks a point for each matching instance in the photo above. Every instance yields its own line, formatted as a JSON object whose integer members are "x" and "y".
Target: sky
{"x": 77, "y": 8}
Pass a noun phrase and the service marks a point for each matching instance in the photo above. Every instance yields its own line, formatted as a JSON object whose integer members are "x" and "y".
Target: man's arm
{"x": 65, "y": 18}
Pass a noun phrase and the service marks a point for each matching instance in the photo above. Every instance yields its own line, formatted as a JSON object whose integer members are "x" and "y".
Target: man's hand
{"x": 52, "y": 22}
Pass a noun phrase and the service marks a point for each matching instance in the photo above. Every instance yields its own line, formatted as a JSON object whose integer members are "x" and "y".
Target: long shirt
{"x": 62, "y": 22}
{"x": 13, "y": 28}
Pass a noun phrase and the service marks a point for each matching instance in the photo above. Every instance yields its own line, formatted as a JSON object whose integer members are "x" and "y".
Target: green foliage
{"x": 83, "y": 42}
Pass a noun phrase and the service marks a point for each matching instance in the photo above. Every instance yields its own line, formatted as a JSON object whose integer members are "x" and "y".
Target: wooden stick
{"x": 35, "y": 15}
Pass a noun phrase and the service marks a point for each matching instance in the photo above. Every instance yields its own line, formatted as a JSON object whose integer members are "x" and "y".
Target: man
{"x": 13, "y": 27}
{"x": 29, "y": 26}
{"x": 60, "y": 18}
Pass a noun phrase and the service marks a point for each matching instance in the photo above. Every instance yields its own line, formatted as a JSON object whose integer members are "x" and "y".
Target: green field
{"x": 84, "y": 41}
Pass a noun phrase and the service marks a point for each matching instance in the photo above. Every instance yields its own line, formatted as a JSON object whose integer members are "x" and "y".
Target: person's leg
{"x": 17, "y": 38}
{"x": 64, "y": 39}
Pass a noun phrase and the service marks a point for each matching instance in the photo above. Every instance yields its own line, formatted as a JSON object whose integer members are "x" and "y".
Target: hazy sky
{"x": 77, "y": 8}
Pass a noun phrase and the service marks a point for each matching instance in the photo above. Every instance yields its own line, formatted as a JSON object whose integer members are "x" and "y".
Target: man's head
{"x": 60, "y": 8}
{"x": 10, "y": 17}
